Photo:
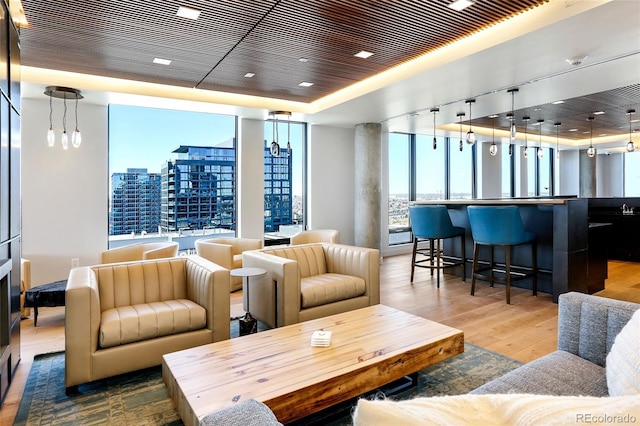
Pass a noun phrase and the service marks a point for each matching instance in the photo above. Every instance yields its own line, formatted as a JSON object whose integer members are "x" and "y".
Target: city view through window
{"x": 173, "y": 175}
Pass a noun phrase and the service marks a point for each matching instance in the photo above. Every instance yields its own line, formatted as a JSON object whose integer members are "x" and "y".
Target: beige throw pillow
{"x": 623, "y": 361}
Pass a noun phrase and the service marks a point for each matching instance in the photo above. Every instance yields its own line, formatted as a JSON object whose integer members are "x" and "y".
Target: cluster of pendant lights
{"x": 63, "y": 93}
{"x": 275, "y": 144}
{"x": 493, "y": 149}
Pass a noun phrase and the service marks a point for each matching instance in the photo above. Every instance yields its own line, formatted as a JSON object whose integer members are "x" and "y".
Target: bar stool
{"x": 500, "y": 226}
{"x": 433, "y": 223}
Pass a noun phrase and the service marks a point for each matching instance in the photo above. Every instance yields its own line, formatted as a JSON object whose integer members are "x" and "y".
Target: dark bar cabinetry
{"x": 623, "y": 238}
{"x": 10, "y": 226}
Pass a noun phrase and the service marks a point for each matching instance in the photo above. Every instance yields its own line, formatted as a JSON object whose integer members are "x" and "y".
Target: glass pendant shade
{"x": 493, "y": 149}
{"x": 76, "y": 138}
{"x": 471, "y": 137}
{"x": 526, "y": 152}
{"x": 512, "y": 131}
{"x": 51, "y": 137}
{"x": 460, "y": 145}
{"x": 540, "y": 153}
{"x": 435, "y": 143}
{"x": 510, "y": 149}
{"x": 631, "y": 146}
{"x": 591, "y": 152}
{"x": 64, "y": 140}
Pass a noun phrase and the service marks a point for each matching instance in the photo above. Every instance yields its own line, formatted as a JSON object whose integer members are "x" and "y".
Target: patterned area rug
{"x": 141, "y": 398}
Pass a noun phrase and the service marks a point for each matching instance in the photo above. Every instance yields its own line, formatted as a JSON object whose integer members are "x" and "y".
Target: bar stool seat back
{"x": 433, "y": 223}
{"x": 500, "y": 226}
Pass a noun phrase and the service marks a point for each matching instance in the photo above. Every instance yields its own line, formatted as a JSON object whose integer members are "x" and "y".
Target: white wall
{"x": 250, "y": 178}
{"x": 330, "y": 179}
{"x": 610, "y": 175}
{"x": 489, "y": 172}
{"x": 569, "y": 177}
{"x": 64, "y": 193}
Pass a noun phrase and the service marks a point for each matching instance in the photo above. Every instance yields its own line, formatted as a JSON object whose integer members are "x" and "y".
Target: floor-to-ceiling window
{"x": 460, "y": 170}
{"x": 632, "y": 174}
{"x": 507, "y": 169}
{"x": 544, "y": 173}
{"x": 400, "y": 186}
{"x": 284, "y": 174}
{"x": 430, "y": 168}
{"x": 172, "y": 173}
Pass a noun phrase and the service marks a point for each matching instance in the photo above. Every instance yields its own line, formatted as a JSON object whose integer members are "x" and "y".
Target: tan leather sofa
{"x": 311, "y": 281}
{"x": 316, "y": 236}
{"x": 142, "y": 251}
{"x": 25, "y": 284}
{"x": 123, "y": 317}
{"x": 227, "y": 252}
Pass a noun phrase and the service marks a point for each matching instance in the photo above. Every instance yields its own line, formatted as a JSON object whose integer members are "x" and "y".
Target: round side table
{"x": 247, "y": 324}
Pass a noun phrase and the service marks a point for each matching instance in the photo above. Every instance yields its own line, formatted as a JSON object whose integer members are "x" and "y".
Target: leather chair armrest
{"x": 208, "y": 286}
{"x": 170, "y": 250}
{"x": 285, "y": 275}
{"x": 82, "y": 324}
{"x": 220, "y": 254}
{"x": 25, "y": 275}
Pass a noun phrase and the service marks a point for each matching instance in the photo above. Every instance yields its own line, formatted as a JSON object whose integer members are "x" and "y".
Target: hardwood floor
{"x": 524, "y": 330}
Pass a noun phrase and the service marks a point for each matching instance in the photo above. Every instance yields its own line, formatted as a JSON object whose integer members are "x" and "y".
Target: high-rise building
{"x": 135, "y": 202}
{"x": 278, "y": 197}
{"x": 198, "y": 189}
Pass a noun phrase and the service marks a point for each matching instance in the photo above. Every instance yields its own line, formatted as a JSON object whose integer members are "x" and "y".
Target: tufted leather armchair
{"x": 227, "y": 252}
{"x": 316, "y": 236}
{"x": 141, "y": 251}
{"x": 309, "y": 281}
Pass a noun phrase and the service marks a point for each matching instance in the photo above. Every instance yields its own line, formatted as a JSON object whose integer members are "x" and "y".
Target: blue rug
{"x": 141, "y": 398}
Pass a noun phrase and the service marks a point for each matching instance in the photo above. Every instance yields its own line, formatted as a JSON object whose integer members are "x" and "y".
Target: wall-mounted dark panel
{"x": 4, "y": 49}
{"x": 5, "y": 169}
{"x": 15, "y": 223}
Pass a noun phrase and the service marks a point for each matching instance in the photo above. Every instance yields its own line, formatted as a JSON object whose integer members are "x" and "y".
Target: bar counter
{"x": 561, "y": 225}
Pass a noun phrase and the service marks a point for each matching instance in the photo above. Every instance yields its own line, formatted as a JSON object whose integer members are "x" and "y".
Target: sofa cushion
{"x": 623, "y": 361}
{"x": 321, "y": 289}
{"x": 559, "y": 373}
{"x": 512, "y": 409}
{"x": 247, "y": 413}
{"x": 128, "y": 324}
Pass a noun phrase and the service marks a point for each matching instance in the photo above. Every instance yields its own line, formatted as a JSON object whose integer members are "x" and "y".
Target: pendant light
{"x": 76, "y": 136}
{"x": 526, "y": 143}
{"x": 493, "y": 149}
{"x": 434, "y": 111}
{"x": 63, "y": 93}
{"x": 510, "y": 149}
{"x": 540, "y": 152}
{"x": 557, "y": 124}
{"x": 471, "y": 137}
{"x": 460, "y": 115}
{"x": 591, "y": 152}
{"x": 288, "y": 135}
{"x": 512, "y": 127}
{"x": 630, "y": 145}
{"x": 275, "y": 144}
{"x": 51, "y": 136}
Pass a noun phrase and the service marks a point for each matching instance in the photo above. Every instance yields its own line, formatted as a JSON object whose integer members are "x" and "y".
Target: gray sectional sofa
{"x": 587, "y": 327}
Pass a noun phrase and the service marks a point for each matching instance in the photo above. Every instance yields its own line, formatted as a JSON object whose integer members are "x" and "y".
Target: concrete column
{"x": 368, "y": 172}
{"x": 587, "y": 175}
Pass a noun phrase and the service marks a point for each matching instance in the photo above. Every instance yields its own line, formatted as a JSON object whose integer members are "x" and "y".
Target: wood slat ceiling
{"x": 573, "y": 114}
{"x": 120, "y": 38}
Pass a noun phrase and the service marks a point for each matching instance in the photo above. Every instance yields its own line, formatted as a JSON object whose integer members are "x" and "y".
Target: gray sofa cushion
{"x": 559, "y": 373}
{"x": 246, "y": 413}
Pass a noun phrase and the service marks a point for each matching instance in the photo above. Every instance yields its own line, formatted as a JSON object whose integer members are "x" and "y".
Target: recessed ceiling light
{"x": 303, "y": 59}
{"x": 557, "y": 102}
{"x": 249, "y": 74}
{"x": 635, "y": 120}
{"x": 573, "y": 130}
{"x": 305, "y": 84}
{"x": 187, "y": 12}
{"x": 493, "y": 116}
{"x": 598, "y": 113}
{"x": 161, "y": 61}
{"x": 460, "y": 4}
{"x": 363, "y": 54}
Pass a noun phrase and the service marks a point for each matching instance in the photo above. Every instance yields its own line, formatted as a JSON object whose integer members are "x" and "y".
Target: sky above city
{"x": 145, "y": 137}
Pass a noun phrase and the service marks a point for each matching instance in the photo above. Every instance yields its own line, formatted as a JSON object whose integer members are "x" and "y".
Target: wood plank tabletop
{"x": 369, "y": 348}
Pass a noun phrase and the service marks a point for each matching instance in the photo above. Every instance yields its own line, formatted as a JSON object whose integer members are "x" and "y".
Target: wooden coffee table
{"x": 370, "y": 347}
